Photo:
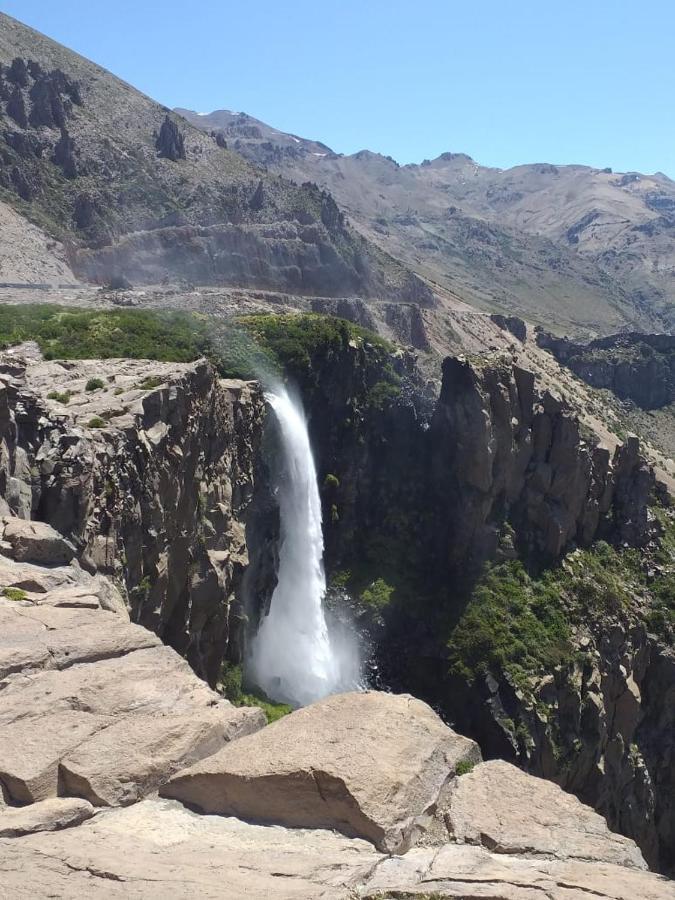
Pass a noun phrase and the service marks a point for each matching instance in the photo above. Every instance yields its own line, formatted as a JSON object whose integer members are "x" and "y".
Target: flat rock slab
{"x": 509, "y": 811}
{"x": 39, "y": 635}
{"x": 134, "y": 756}
{"x": 48, "y": 815}
{"x": 370, "y": 765}
{"x": 463, "y": 872}
{"x": 37, "y": 542}
{"x": 31, "y": 750}
{"x": 155, "y": 850}
{"x": 145, "y": 681}
{"x": 158, "y": 849}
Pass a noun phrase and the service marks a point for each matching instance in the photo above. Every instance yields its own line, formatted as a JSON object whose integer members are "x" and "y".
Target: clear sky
{"x": 507, "y": 82}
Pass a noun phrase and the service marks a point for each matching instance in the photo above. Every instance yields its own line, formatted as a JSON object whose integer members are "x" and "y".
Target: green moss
{"x": 331, "y": 483}
{"x": 383, "y": 393}
{"x": 522, "y": 624}
{"x": 12, "y": 593}
{"x": 273, "y": 711}
{"x": 94, "y": 384}
{"x": 245, "y": 347}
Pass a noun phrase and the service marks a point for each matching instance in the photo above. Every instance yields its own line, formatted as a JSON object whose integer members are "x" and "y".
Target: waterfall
{"x": 293, "y": 658}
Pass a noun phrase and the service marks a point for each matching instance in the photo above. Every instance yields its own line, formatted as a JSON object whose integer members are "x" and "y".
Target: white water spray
{"x": 293, "y": 658}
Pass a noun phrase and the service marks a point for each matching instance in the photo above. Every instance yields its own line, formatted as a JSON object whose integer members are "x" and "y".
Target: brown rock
{"x": 508, "y": 811}
{"x": 368, "y": 764}
{"x": 135, "y": 755}
{"x": 47, "y": 815}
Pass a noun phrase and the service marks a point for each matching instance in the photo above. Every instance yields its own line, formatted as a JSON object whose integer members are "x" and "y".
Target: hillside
{"x": 137, "y": 193}
{"x": 578, "y": 249}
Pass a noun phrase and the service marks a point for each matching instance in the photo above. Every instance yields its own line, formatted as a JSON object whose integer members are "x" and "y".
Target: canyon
{"x": 328, "y": 566}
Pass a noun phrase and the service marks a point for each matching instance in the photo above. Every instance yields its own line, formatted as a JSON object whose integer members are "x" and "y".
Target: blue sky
{"x": 507, "y": 82}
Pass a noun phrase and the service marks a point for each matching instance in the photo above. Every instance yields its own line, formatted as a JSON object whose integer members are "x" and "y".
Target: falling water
{"x": 293, "y": 658}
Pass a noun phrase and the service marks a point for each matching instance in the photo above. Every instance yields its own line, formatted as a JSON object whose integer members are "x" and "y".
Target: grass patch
{"x": 96, "y": 422}
{"x": 463, "y": 767}
{"x": 231, "y": 679}
{"x": 94, "y": 384}
{"x": 12, "y": 593}
{"x": 151, "y": 382}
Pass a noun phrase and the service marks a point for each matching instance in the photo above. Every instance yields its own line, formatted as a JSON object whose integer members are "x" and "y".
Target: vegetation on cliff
{"x": 267, "y": 346}
{"x": 524, "y": 624}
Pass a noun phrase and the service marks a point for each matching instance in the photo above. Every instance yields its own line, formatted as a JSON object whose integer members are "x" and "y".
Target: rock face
{"x": 635, "y": 366}
{"x": 331, "y": 766}
{"x": 498, "y": 445}
{"x": 439, "y": 481}
{"x": 148, "y": 477}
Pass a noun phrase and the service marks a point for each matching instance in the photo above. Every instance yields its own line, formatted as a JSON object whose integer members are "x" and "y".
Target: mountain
{"x": 578, "y": 249}
{"x": 136, "y": 193}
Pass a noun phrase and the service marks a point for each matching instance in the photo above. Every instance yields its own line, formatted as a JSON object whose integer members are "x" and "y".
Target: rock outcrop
{"x": 170, "y": 141}
{"x": 331, "y": 766}
{"x": 635, "y": 366}
{"x": 524, "y": 838}
{"x": 93, "y": 706}
{"x": 147, "y": 470}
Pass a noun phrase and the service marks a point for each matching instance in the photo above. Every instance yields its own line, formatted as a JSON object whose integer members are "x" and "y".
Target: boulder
{"x": 509, "y": 811}
{"x": 48, "y": 815}
{"x": 30, "y": 751}
{"x": 37, "y": 542}
{"x": 131, "y": 758}
{"x": 370, "y": 765}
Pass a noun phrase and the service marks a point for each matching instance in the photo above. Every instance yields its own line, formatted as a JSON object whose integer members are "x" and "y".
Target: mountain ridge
{"x": 112, "y": 174}
{"x": 591, "y": 248}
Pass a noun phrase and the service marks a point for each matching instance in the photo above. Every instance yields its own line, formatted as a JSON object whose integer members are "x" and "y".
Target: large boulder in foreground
{"x": 369, "y": 765}
{"x": 508, "y": 811}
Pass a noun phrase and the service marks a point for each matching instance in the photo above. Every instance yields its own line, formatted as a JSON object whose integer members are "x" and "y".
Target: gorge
{"x": 324, "y": 575}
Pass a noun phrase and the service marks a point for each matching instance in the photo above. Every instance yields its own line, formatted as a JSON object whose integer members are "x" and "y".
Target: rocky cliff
{"x": 148, "y": 469}
{"x": 635, "y": 366}
{"x": 154, "y": 473}
{"x": 563, "y": 670}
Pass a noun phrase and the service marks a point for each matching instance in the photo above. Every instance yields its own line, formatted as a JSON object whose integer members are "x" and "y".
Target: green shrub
{"x": 150, "y": 383}
{"x": 60, "y": 397}
{"x": 511, "y": 623}
{"x": 331, "y": 483}
{"x": 378, "y": 594}
{"x": 12, "y": 593}
{"x": 96, "y": 422}
{"x": 463, "y": 767}
{"x": 94, "y": 384}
